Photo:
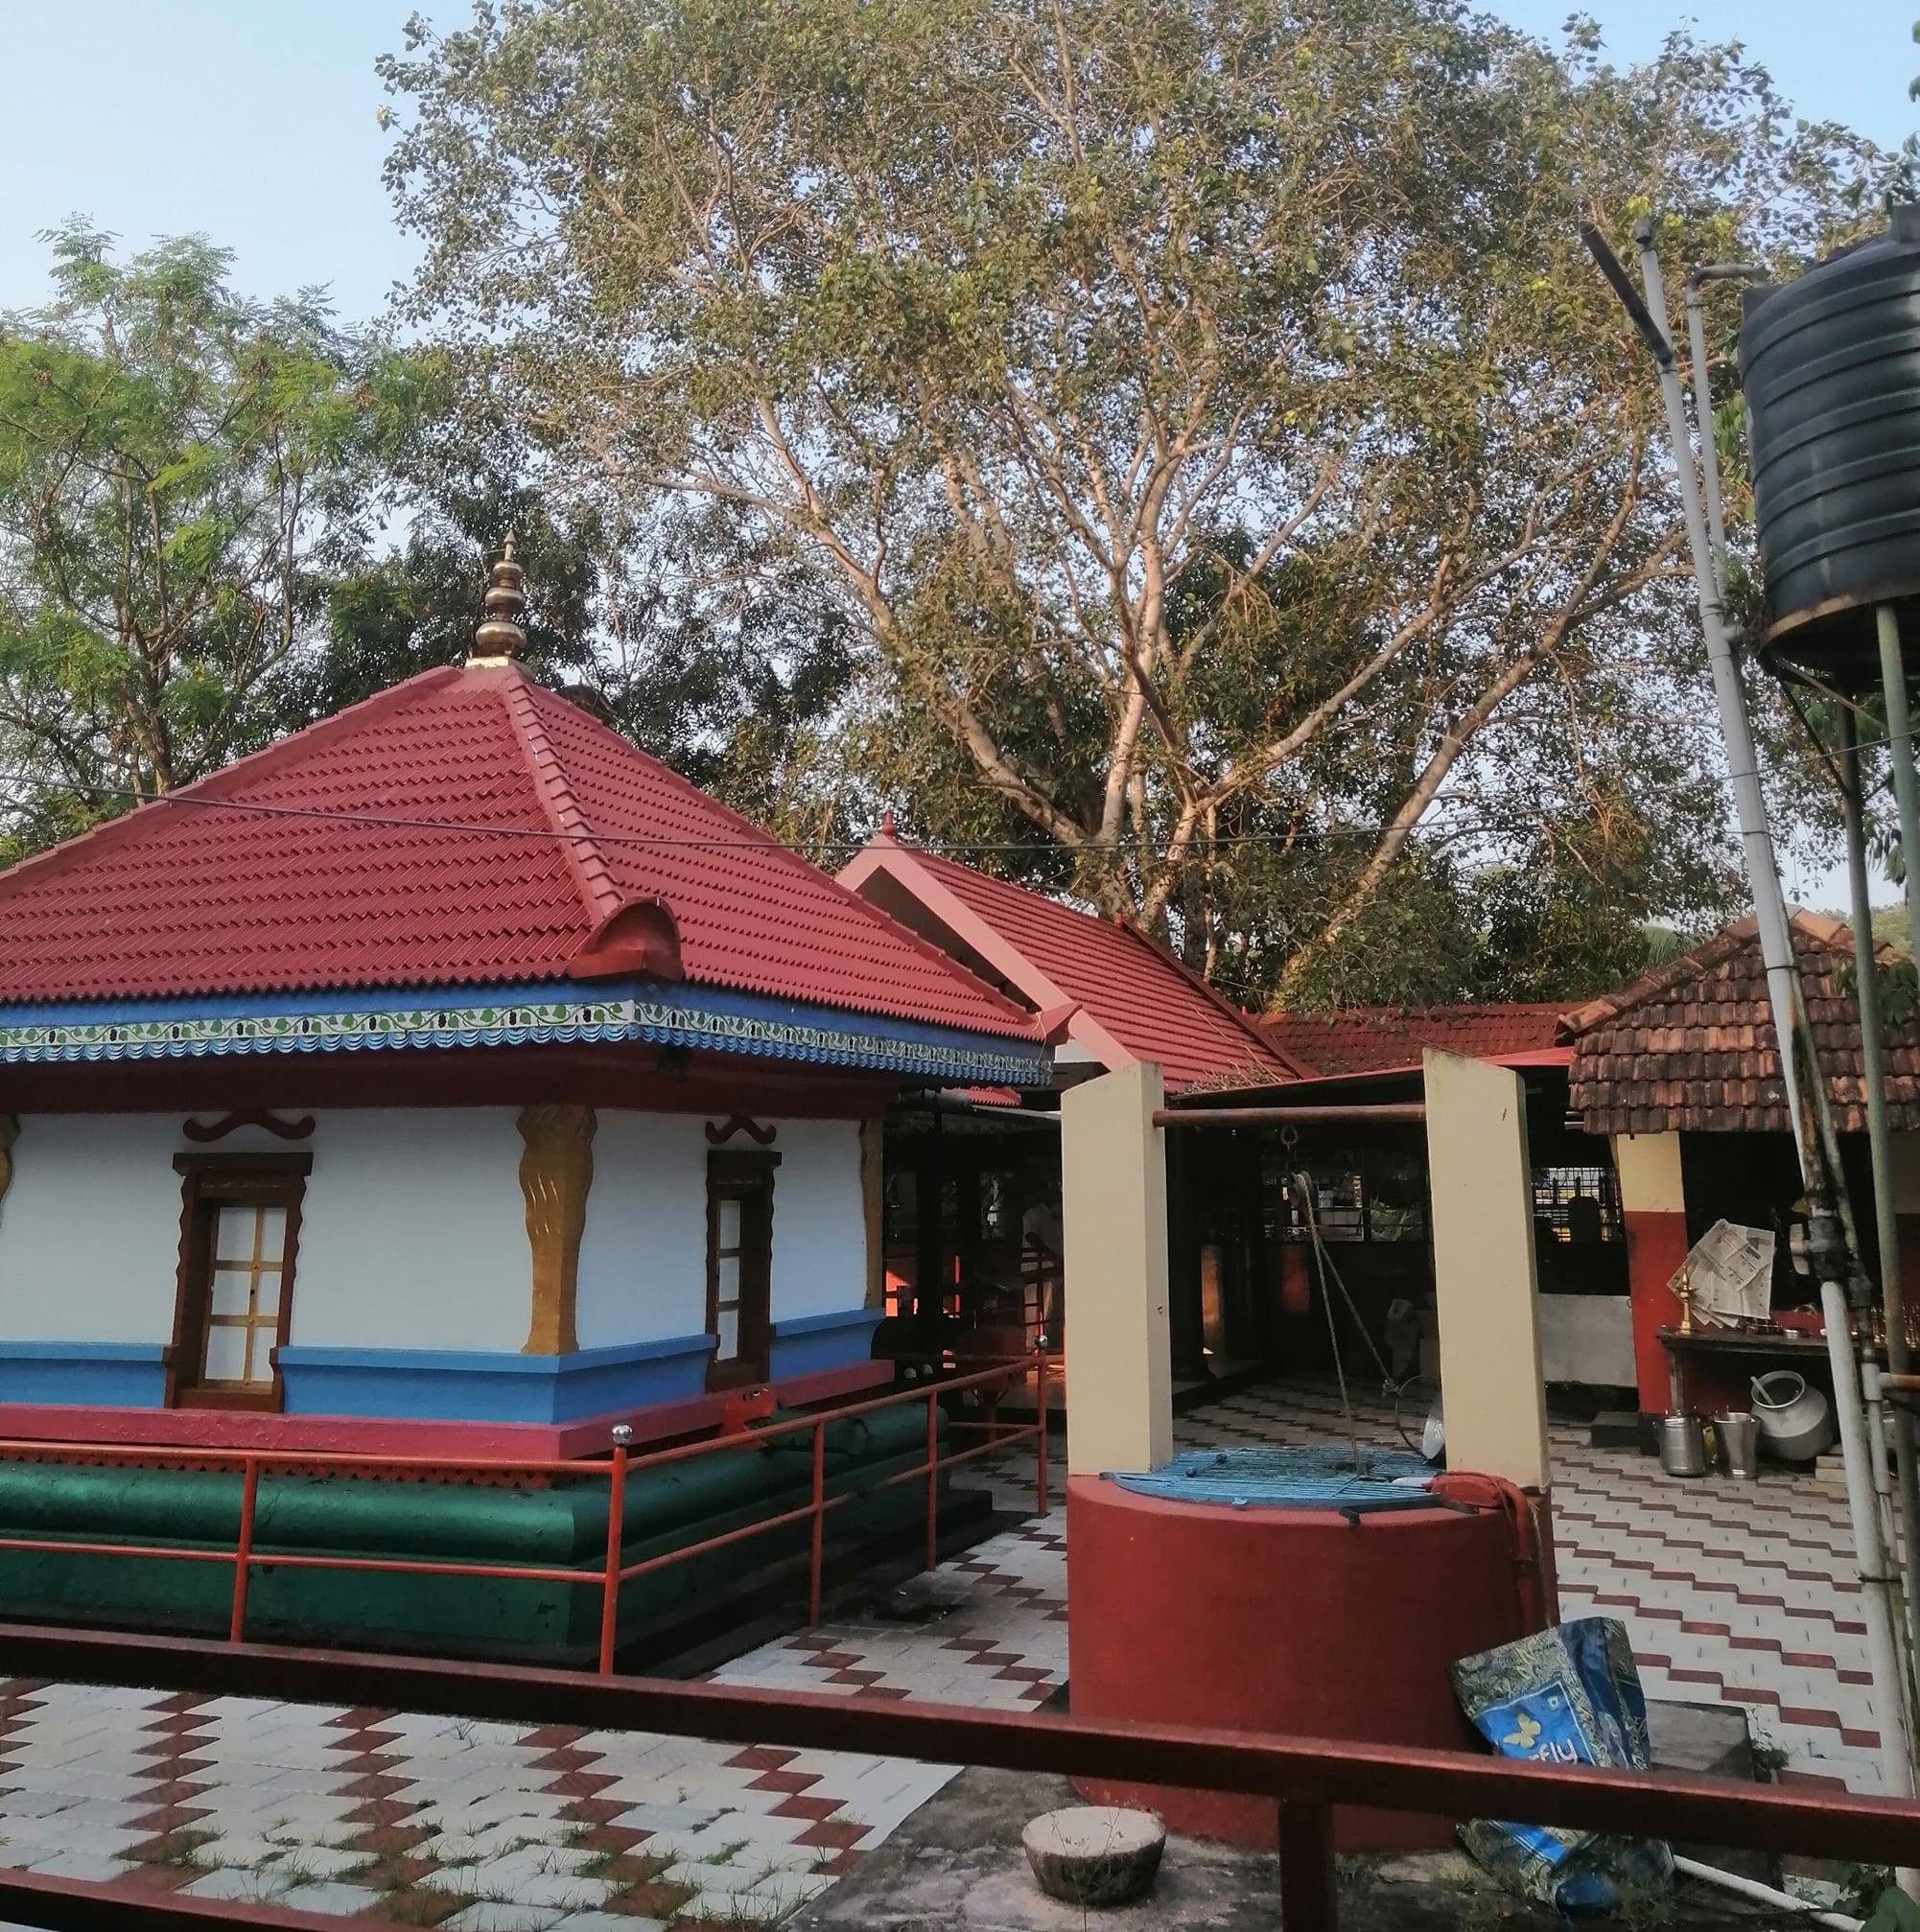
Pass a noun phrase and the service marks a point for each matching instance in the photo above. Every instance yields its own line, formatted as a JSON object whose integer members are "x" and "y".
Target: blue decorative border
{"x": 518, "y": 1015}
{"x": 459, "y": 1384}
{"x": 88, "y": 1374}
{"x": 810, "y": 1344}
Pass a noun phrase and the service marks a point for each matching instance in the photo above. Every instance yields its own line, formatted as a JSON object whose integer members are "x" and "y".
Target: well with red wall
{"x": 1302, "y": 1621}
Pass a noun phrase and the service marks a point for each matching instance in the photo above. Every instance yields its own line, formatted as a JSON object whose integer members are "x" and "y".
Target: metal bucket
{"x": 1738, "y": 1437}
{"x": 1684, "y": 1448}
{"x": 1794, "y": 1418}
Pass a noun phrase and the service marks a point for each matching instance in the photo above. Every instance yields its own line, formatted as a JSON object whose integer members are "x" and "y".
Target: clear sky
{"x": 253, "y": 121}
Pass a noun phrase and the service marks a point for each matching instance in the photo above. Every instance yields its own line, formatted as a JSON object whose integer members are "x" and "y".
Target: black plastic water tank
{"x": 1831, "y": 366}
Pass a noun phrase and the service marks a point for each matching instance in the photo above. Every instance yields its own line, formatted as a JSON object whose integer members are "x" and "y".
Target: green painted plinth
{"x": 562, "y": 1527}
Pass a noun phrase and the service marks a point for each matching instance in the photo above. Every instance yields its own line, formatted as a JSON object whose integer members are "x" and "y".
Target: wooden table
{"x": 1786, "y": 1347}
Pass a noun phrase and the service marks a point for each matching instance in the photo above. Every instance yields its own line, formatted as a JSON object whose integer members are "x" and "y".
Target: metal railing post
{"x": 243, "y": 1552}
{"x": 1040, "y": 1441}
{"x": 819, "y": 1524}
{"x": 933, "y": 1480}
{"x": 1308, "y": 1899}
{"x": 616, "y": 1540}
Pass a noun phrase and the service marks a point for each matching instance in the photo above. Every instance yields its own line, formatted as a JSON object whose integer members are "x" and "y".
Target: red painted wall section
{"x": 1657, "y": 1245}
{"x": 1283, "y": 1621}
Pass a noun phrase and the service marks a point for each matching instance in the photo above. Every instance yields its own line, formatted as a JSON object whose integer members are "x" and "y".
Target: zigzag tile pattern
{"x": 1734, "y": 1592}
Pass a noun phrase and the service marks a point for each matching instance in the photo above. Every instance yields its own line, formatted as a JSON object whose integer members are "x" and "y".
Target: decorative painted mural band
{"x": 514, "y": 1021}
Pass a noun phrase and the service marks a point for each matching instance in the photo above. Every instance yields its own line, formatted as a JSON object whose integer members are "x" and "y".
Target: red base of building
{"x": 231, "y": 1431}
{"x": 1299, "y": 1621}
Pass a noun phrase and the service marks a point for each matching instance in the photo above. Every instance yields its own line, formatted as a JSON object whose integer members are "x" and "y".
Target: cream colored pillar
{"x": 1483, "y": 1225}
{"x": 1113, "y": 1174}
{"x": 1648, "y": 1167}
{"x": 1653, "y": 1213}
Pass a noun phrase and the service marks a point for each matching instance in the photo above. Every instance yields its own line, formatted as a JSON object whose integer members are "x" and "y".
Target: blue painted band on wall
{"x": 811, "y": 1344}
{"x": 87, "y": 1374}
{"x": 450, "y": 1384}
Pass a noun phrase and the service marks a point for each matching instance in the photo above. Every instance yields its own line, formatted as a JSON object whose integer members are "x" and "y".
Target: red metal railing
{"x": 1305, "y": 1776}
{"x": 243, "y": 1558}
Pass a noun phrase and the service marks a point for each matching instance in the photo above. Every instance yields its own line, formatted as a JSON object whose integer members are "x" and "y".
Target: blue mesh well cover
{"x": 1319, "y": 1477}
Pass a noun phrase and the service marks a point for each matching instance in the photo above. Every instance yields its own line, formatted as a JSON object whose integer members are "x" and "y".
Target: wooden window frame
{"x": 744, "y": 1178}
{"x": 207, "y": 1181}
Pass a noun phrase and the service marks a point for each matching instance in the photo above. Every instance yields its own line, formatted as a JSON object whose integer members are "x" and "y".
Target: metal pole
{"x": 243, "y": 1554}
{"x": 1703, "y": 405}
{"x": 622, "y": 1434}
{"x": 1040, "y": 1440}
{"x": 1906, "y": 795}
{"x": 1762, "y": 876}
{"x": 816, "y": 1530}
{"x": 1879, "y": 1149}
{"x": 932, "y": 1480}
{"x": 1382, "y": 1113}
{"x": 1829, "y": 1222}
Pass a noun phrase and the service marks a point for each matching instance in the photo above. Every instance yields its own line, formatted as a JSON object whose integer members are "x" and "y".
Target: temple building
{"x": 450, "y": 1074}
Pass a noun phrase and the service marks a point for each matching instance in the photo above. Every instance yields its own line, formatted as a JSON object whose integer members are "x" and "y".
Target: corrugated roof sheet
{"x": 1691, "y": 1045}
{"x": 1388, "y": 1038}
{"x": 1150, "y": 1003}
{"x": 417, "y": 848}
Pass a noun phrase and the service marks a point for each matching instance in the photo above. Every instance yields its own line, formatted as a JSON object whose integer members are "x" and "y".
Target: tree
{"x": 1201, "y": 415}
{"x": 182, "y": 473}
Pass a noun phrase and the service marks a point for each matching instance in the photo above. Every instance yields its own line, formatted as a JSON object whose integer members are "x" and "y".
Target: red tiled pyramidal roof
{"x": 1145, "y": 1005}
{"x": 1388, "y": 1038}
{"x": 413, "y": 841}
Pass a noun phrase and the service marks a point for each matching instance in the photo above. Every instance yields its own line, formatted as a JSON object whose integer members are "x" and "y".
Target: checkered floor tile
{"x": 1737, "y": 1592}
{"x": 428, "y": 1821}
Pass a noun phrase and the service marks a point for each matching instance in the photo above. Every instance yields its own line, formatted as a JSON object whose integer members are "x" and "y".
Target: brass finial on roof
{"x": 499, "y": 637}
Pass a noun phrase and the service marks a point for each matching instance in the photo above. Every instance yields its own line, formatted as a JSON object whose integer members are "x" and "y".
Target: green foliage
{"x": 1896, "y": 989}
{"x": 1893, "y": 1912}
{"x": 181, "y": 470}
{"x": 1221, "y": 475}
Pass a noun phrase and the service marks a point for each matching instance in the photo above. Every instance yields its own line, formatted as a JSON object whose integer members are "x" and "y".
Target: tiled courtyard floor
{"x": 1733, "y": 1593}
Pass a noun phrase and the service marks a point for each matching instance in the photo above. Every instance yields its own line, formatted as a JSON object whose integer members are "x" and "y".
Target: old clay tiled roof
{"x": 1389, "y": 1038}
{"x": 1690, "y": 1045}
{"x": 1102, "y": 981}
{"x": 410, "y": 842}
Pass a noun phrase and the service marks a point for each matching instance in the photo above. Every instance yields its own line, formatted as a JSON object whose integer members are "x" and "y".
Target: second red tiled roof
{"x": 1382, "y": 1038}
{"x": 1151, "y": 1004}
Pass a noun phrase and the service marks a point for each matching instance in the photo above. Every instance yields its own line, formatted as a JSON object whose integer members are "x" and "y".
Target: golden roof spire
{"x": 499, "y": 637}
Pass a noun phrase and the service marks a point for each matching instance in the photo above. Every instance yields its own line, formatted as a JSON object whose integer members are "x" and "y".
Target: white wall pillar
{"x": 1112, "y": 1164}
{"x": 1483, "y": 1225}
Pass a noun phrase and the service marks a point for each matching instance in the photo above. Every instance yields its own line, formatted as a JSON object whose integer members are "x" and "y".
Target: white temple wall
{"x": 644, "y": 1251}
{"x": 819, "y": 1226}
{"x": 412, "y": 1231}
{"x": 90, "y": 1229}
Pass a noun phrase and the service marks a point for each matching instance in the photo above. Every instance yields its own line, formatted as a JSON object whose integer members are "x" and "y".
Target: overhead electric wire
{"x": 394, "y": 821}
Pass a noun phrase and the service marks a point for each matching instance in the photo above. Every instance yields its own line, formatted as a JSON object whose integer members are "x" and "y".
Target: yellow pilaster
{"x": 555, "y": 1173}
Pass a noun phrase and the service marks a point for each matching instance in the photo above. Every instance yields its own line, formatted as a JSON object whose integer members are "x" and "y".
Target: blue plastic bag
{"x": 1569, "y": 1695}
